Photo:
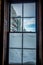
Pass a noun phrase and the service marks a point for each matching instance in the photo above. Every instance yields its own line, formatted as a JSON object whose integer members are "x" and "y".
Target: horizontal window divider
{"x": 22, "y": 32}
{"x": 14, "y": 48}
{"x": 23, "y": 48}
{"x": 22, "y": 17}
{"x": 16, "y": 63}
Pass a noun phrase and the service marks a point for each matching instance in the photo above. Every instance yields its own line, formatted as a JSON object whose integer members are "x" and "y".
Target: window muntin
{"x": 30, "y": 48}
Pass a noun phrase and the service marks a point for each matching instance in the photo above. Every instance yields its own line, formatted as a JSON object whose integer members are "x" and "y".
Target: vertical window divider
{"x": 22, "y": 33}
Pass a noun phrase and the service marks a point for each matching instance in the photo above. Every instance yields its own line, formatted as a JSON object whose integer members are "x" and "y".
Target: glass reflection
{"x": 29, "y": 9}
{"x": 14, "y": 56}
{"x": 29, "y": 40}
{"x": 15, "y": 40}
{"x": 16, "y": 25}
{"x": 16, "y": 10}
{"x": 29, "y": 57}
{"x": 29, "y": 25}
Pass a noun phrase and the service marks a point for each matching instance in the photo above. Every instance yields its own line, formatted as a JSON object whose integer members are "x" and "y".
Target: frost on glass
{"x": 15, "y": 40}
{"x": 15, "y": 24}
{"x": 14, "y": 56}
{"x": 29, "y": 10}
{"x": 29, "y": 57}
{"x": 16, "y": 10}
{"x": 29, "y": 40}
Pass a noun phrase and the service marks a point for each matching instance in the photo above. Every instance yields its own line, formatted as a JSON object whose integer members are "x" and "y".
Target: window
{"x": 22, "y": 35}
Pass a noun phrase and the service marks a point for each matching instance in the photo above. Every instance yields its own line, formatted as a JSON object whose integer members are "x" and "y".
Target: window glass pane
{"x": 29, "y": 40}
{"x": 15, "y": 40}
{"x": 14, "y": 56}
{"x": 29, "y": 57}
{"x": 16, "y": 24}
{"x": 16, "y": 10}
{"x": 29, "y": 25}
{"x": 29, "y": 10}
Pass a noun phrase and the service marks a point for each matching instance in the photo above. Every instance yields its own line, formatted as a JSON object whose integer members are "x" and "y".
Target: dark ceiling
{"x": 21, "y": 1}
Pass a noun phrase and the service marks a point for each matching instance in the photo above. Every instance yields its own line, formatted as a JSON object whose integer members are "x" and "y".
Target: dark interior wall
{"x": 0, "y": 15}
{"x": 40, "y": 32}
{"x": 6, "y": 20}
{"x": 0, "y": 33}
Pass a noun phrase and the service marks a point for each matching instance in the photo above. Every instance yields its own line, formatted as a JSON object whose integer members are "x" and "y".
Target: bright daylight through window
{"x": 22, "y": 35}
